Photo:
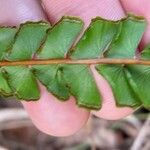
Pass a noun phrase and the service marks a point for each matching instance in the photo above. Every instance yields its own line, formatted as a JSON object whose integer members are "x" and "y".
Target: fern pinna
{"x": 53, "y": 55}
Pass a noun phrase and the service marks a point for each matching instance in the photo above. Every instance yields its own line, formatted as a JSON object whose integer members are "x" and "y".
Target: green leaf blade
{"x": 95, "y": 40}
{"x": 22, "y": 82}
{"x": 129, "y": 35}
{"x": 57, "y": 43}
{"x": 123, "y": 93}
{"x": 52, "y": 77}
{"x": 7, "y": 35}
{"x": 140, "y": 77}
{"x": 5, "y": 89}
{"x": 61, "y": 38}
{"x": 27, "y": 40}
{"x": 81, "y": 83}
{"x": 123, "y": 46}
{"x": 139, "y": 80}
{"x": 145, "y": 54}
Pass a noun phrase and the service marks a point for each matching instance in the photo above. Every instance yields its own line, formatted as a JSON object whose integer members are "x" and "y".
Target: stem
{"x": 83, "y": 61}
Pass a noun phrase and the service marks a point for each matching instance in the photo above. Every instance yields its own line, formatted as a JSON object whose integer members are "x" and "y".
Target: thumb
{"x": 48, "y": 114}
{"x": 87, "y": 9}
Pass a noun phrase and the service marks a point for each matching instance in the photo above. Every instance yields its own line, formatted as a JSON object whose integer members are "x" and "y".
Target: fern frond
{"x": 37, "y": 51}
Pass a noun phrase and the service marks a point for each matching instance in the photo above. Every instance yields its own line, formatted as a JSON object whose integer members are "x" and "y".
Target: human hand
{"x": 48, "y": 114}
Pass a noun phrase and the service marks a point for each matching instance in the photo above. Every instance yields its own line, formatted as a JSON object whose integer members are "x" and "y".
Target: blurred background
{"x": 18, "y": 133}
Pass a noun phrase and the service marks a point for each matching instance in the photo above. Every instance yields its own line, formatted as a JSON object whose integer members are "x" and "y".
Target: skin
{"x": 48, "y": 114}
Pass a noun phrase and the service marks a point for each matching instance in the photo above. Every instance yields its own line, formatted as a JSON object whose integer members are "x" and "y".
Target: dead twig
{"x": 143, "y": 137}
{"x": 13, "y": 118}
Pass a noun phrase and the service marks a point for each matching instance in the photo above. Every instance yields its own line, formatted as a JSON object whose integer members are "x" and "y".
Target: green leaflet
{"x": 58, "y": 40}
{"x": 52, "y": 77}
{"x": 96, "y": 39}
{"x": 22, "y": 82}
{"x": 122, "y": 90}
{"x": 59, "y": 79}
{"x": 82, "y": 85}
{"x": 139, "y": 79}
{"x": 6, "y": 38}
{"x": 103, "y": 38}
{"x": 123, "y": 46}
{"x": 5, "y": 89}
{"x": 145, "y": 54}
{"x": 127, "y": 39}
{"x": 26, "y": 42}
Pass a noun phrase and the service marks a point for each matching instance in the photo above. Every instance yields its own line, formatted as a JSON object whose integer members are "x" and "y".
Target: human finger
{"x": 48, "y": 114}
{"x": 109, "y": 9}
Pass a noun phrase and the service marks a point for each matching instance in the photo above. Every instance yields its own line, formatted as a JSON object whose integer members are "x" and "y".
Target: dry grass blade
{"x": 13, "y": 118}
{"x": 142, "y": 140}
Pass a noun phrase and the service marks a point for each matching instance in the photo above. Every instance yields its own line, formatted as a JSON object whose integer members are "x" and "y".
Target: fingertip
{"x": 112, "y": 10}
{"x": 110, "y": 111}
{"x": 49, "y": 115}
{"x": 137, "y": 6}
{"x": 55, "y": 117}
